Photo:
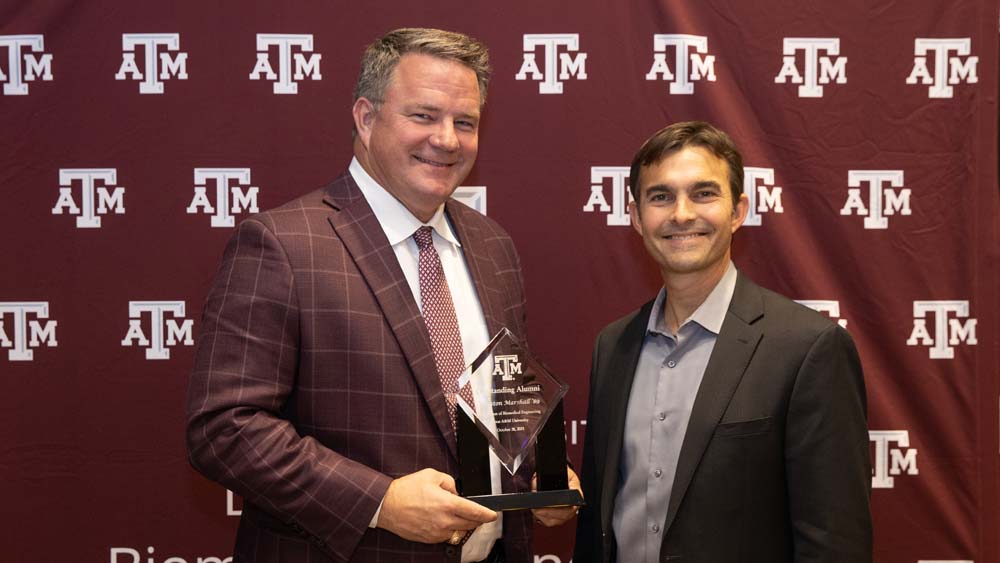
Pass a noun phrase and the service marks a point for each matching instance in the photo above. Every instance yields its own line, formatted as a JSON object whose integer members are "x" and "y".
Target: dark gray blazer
{"x": 775, "y": 464}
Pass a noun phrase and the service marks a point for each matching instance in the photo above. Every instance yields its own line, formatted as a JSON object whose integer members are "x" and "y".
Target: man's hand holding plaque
{"x": 557, "y": 515}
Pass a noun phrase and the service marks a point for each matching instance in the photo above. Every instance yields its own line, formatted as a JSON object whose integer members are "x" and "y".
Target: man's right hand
{"x": 425, "y": 507}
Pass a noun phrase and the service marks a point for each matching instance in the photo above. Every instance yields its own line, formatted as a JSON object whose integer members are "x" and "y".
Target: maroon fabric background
{"x": 92, "y": 458}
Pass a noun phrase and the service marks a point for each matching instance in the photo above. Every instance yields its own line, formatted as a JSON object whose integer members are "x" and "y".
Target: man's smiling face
{"x": 685, "y": 212}
{"x": 422, "y": 139}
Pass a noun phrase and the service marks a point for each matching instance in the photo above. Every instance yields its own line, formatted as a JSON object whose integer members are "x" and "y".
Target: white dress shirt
{"x": 399, "y": 225}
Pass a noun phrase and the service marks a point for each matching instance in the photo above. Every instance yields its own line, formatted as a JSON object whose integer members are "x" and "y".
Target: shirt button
{"x": 661, "y": 416}
{"x": 655, "y": 528}
{"x": 657, "y": 473}
{"x": 671, "y": 364}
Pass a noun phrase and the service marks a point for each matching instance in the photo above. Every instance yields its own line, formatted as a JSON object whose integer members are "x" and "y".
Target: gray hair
{"x": 382, "y": 56}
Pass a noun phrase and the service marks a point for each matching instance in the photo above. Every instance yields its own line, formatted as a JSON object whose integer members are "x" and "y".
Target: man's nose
{"x": 683, "y": 210}
{"x": 444, "y": 138}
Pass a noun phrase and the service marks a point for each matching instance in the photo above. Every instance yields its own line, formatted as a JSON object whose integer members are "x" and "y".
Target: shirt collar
{"x": 709, "y": 315}
{"x": 394, "y": 218}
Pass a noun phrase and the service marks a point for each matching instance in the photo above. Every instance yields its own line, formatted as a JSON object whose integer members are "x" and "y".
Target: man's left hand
{"x": 556, "y": 516}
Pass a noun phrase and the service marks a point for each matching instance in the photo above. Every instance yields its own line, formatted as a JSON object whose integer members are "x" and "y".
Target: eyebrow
{"x": 700, "y": 185}
{"x": 423, "y": 107}
{"x": 436, "y": 109}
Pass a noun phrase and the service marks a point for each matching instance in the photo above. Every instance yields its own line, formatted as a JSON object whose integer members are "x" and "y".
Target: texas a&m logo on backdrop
{"x": 688, "y": 66}
{"x": 951, "y": 61}
{"x": 166, "y": 327}
{"x": 883, "y": 200}
{"x": 617, "y": 177}
{"x": 293, "y": 63}
{"x": 98, "y": 195}
{"x": 762, "y": 198}
{"x": 893, "y": 457}
{"x": 950, "y": 329}
{"x": 830, "y": 308}
{"x": 162, "y": 60}
{"x": 228, "y": 199}
{"x": 559, "y": 66}
{"x": 472, "y": 196}
{"x": 818, "y": 68}
{"x": 26, "y": 62}
{"x": 25, "y": 325}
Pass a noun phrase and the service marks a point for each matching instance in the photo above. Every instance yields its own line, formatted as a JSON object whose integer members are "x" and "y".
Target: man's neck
{"x": 686, "y": 292}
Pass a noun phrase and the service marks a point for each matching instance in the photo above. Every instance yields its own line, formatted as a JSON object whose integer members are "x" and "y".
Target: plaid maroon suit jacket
{"x": 314, "y": 382}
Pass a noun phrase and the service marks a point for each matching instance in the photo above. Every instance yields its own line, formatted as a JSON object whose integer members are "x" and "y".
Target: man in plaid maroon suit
{"x": 322, "y": 391}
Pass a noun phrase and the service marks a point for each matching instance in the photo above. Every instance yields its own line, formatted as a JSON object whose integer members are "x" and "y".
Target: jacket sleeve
{"x": 589, "y": 540}
{"x": 827, "y": 455}
{"x": 245, "y": 368}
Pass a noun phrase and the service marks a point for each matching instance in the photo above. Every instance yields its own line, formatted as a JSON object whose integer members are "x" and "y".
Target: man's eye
{"x": 466, "y": 125}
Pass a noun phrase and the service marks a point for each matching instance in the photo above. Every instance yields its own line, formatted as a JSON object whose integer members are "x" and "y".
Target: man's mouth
{"x": 433, "y": 162}
{"x": 685, "y": 236}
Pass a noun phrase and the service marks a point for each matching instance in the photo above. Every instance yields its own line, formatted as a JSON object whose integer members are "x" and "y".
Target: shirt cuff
{"x": 374, "y": 522}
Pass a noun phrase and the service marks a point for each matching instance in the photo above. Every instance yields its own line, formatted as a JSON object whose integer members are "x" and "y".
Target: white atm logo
{"x": 234, "y": 504}
{"x": 819, "y": 69}
{"x": 506, "y": 366}
{"x": 471, "y": 196}
{"x": 228, "y": 199}
{"x": 163, "y": 331}
{"x": 893, "y": 456}
{"x": 688, "y": 66}
{"x": 620, "y": 195}
{"x": 24, "y": 66}
{"x": 157, "y": 65}
{"x": 27, "y": 332}
{"x": 285, "y": 81}
{"x": 948, "y": 70}
{"x": 831, "y": 308}
{"x": 949, "y": 331}
{"x": 558, "y": 66}
{"x": 95, "y": 200}
{"x": 882, "y": 201}
{"x": 762, "y": 198}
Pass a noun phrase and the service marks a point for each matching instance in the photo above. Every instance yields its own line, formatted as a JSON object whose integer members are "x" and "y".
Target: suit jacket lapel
{"x": 360, "y": 232}
{"x": 481, "y": 267}
{"x": 734, "y": 347}
{"x": 623, "y": 363}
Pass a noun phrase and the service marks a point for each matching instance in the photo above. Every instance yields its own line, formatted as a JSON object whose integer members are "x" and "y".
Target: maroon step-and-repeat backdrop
{"x": 134, "y": 135}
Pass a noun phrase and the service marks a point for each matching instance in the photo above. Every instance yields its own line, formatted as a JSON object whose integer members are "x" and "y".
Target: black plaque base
{"x": 550, "y": 466}
{"x": 536, "y": 499}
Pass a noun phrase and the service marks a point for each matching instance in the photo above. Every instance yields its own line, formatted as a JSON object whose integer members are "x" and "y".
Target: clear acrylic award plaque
{"x": 518, "y": 415}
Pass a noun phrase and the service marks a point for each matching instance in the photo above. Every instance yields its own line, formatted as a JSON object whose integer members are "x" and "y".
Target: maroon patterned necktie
{"x": 442, "y": 324}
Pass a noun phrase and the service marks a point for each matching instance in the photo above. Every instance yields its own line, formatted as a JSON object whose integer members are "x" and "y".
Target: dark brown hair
{"x": 673, "y": 138}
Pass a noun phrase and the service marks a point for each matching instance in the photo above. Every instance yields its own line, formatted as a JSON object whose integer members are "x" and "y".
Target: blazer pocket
{"x": 744, "y": 427}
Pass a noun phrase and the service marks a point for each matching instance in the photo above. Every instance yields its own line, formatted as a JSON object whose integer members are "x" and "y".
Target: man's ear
{"x": 740, "y": 211}
{"x": 633, "y": 213}
{"x": 364, "y": 112}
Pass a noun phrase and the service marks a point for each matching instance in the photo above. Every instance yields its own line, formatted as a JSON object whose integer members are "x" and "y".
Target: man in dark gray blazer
{"x": 726, "y": 423}
{"x": 325, "y": 378}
